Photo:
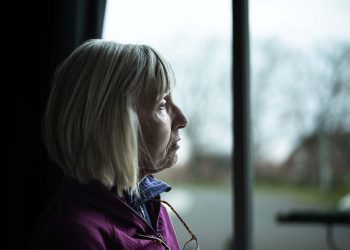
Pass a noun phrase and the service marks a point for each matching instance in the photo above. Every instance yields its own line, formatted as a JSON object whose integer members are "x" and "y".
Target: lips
{"x": 175, "y": 145}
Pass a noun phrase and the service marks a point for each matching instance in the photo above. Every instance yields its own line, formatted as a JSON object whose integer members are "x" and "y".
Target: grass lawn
{"x": 306, "y": 193}
{"x": 309, "y": 194}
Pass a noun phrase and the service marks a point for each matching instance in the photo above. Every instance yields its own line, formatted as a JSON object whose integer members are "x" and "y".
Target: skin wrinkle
{"x": 160, "y": 122}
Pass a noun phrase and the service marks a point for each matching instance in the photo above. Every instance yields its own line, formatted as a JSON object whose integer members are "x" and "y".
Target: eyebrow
{"x": 163, "y": 96}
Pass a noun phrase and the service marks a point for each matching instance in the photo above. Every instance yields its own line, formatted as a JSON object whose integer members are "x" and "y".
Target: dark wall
{"x": 43, "y": 33}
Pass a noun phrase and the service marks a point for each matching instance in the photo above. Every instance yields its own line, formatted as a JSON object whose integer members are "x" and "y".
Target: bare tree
{"x": 333, "y": 112}
{"x": 204, "y": 76}
{"x": 306, "y": 93}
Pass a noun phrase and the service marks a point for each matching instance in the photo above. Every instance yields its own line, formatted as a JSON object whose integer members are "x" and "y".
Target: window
{"x": 195, "y": 36}
{"x": 300, "y": 78}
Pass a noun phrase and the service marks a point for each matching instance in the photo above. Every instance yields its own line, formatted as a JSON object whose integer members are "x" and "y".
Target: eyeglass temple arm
{"x": 183, "y": 222}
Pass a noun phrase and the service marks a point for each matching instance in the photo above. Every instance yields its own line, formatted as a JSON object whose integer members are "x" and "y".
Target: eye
{"x": 163, "y": 105}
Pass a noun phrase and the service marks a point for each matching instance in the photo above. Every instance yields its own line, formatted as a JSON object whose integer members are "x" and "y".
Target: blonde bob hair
{"x": 90, "y": 127}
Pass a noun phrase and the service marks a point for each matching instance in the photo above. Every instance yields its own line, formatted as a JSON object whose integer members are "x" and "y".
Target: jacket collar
{"x": 150, "y": 188}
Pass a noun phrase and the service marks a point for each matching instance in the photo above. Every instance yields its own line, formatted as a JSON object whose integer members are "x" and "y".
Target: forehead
{"x": 154, "y": 92}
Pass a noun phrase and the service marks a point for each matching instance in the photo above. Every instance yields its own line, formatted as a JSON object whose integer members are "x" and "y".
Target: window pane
{"x": 300, "y": 59}
{"x": 195, "y": 37}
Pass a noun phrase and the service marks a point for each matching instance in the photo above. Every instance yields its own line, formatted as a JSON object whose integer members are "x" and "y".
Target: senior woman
{"x": 111, "y": 123}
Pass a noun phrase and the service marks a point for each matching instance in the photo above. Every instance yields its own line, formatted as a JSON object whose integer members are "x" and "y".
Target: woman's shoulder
{"x": 72, "y": 226}
{"x": 73, "y": 209}
{"x": 76, "y": 213}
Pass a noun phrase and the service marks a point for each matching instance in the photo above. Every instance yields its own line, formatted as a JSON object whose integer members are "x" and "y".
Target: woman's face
{"x": 160, "y": 122}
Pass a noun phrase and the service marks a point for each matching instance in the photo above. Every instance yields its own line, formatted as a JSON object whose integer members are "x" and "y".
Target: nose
{"x": 179, "y": 119}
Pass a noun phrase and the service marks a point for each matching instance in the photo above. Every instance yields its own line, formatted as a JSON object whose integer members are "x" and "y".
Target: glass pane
{"x": 300, "y": 60}
{"x": 195, "y": 37}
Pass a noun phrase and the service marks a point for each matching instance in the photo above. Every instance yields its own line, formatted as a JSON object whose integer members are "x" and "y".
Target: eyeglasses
{"x": 192, "y": 243}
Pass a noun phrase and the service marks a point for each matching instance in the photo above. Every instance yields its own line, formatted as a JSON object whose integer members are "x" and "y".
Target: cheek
{"x": 157, "y": 136}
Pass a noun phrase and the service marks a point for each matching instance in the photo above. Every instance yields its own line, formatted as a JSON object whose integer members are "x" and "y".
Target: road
{"x": 207, "y": 211}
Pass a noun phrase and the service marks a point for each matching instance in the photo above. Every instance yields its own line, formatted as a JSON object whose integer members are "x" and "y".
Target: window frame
{"x": 241, "y": 165}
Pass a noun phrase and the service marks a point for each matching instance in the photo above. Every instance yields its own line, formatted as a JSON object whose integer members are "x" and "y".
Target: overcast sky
{"x": 297, "y": 21}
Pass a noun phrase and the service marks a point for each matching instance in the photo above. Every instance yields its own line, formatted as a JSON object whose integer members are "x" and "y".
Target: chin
{"x": 167, "y": 162}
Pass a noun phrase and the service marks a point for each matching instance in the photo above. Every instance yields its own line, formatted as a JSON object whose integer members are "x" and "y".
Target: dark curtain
{"x": 45, "y": 33}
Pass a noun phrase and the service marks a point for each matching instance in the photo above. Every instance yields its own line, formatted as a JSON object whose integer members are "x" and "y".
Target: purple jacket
{"x": 90, "y": 217}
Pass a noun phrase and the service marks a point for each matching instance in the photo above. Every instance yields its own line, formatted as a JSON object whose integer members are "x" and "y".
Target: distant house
{"x": 303, "y": 165}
